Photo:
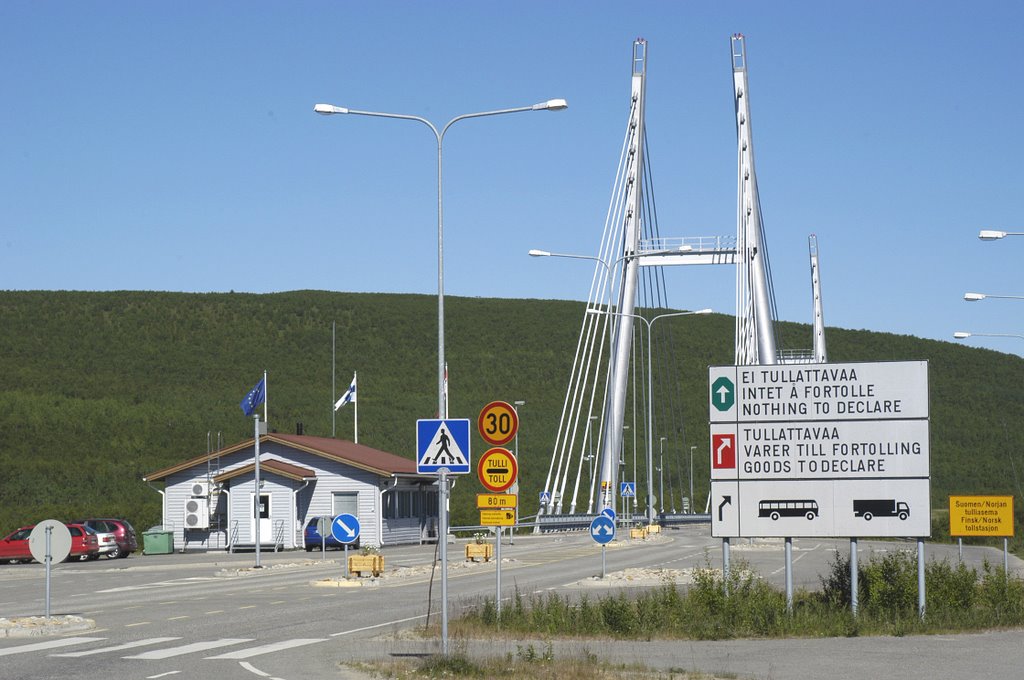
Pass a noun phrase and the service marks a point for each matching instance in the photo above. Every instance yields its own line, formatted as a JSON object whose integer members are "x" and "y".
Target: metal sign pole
{"x": 497, "y": 571}
{"x": 920, "y": 577}
{"x": 49, "y": 558}
{"x": 604, "y": 549}
{"x": 854, "y": 586}
{"x": 725, "y": 564}
{"x": 1006, "y": 559}
{"x": 346, "y": 561}
{"x": 442, "y": 536}
{"x": 789, "y": 575}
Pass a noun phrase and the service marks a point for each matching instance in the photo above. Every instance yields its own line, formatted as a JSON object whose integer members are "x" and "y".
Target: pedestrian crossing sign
{"x": 627, "y": 489}
{"x": 442, "y": 444}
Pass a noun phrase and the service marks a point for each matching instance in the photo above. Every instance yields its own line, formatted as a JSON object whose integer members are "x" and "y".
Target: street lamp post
{"x": 442, "y": 403}
{"x": 330, "y": 109}
{"x": 994, "y": 235}
{"x": 975, "y": 297}
{"x": 590, "y": 460}
{"x": 650, "y": 393}
{"x": 961, "y": 335}
{"x": 691, "y": 478}
{"x": 661, "y": 472}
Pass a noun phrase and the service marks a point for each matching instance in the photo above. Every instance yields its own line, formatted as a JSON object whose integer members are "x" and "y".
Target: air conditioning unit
{"x": 197, "y": 515}
{"x": 201, "y": 488}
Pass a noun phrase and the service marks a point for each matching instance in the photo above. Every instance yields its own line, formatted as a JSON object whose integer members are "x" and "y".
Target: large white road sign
{"x": 820, "y": 450}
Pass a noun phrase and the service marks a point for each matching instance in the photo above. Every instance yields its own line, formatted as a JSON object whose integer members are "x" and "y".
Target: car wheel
{"x": 123, "y": 553}
{"x": 116, "y": 552}
{"x": 90, "y": 558}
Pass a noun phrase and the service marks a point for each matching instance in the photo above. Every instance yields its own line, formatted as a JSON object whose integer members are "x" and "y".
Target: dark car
{"x": 123, "y": 532}
{"x": 312, "y": 537}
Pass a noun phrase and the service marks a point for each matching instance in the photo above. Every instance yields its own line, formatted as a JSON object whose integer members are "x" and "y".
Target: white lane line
{"x": 188, "y": 649}
{"x": 118, "y": 648}
{"x": 49, "y": 644}
{"x": 252, "y": 669}
{"x": 267, "y": 649}
{"x": 161, "y": 675}
{"x": 379, "y": 625}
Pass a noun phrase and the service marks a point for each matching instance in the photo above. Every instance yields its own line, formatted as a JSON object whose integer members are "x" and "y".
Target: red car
{"x": 14, "y": 547}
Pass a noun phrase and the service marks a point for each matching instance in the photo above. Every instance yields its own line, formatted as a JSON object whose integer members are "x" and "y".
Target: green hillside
{"x": 99, "y": 389}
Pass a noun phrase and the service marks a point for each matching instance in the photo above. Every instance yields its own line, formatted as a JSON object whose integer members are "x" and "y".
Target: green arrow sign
{"x": 723, "y": 394}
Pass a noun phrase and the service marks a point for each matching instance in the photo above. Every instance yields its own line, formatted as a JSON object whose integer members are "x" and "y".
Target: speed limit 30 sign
{"x": 498, "y": 423}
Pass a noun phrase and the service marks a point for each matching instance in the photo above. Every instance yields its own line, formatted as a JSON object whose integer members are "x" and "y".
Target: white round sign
{"x": 60, "y": 541}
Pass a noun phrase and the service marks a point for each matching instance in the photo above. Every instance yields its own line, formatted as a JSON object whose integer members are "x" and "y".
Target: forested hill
{"x": 99, "y": 389}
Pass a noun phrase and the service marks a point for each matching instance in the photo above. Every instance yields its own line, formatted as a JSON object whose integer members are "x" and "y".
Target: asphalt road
{"x": 204, "y": 615}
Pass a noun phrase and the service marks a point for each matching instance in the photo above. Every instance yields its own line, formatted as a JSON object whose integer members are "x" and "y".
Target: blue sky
{"x": 173, "y": 146}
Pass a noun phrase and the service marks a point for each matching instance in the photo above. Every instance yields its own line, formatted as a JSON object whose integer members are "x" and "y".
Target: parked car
{"x": 106, "y": 540}
{"x": 124, "y": 534}
{"x": 312, "y": 537}
{"x": 83, "y": 542}
{"x": 14, "y": 546}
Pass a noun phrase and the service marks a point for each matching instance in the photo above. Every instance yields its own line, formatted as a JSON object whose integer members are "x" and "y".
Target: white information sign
{"x": 826, "y": 450}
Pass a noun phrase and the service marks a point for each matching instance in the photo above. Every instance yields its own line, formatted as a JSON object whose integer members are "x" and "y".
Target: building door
{"x": 262, "y": 515}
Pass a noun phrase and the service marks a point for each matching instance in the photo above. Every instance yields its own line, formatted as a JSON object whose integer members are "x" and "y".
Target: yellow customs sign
{"x": 497, "y": 518}
{"x": 981, "y": 516}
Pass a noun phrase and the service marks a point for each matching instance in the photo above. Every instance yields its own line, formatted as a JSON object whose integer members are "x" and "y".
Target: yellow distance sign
{"x": 981, "y": 516}
{"x": 497, "y": 518}
{"x": 496, "y": 500}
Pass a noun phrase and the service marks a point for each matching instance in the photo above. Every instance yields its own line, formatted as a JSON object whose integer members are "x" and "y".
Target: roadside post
{"x": 442, "y": 449}
{"x": 323, "y": 525}
{"x": 50, "y": 541}
{"x": 498, "y": 471}
{"x": 602, "y": 530}
{"x": 345, "y": 528}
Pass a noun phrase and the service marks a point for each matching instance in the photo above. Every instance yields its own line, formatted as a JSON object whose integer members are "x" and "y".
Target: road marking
{"x": 267, "y": 649}
{"x": 140, "y": 623}
{"x": 379, "y": 625}
{"x": 279, "y": 602}
{"x": 118, "y": 648}
{"x": 188, "y": 649}
{"x": 175, "y": 618}
{"x": 252, "y": 669}
{"x": 215, "y": 611}
{"x": 49, "y": 644}
{"x": 161, "y": 675}
{"x": 248, "y": 606}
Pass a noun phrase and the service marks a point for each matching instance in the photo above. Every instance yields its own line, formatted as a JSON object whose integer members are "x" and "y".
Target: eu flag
{"x": 255, "y": 397}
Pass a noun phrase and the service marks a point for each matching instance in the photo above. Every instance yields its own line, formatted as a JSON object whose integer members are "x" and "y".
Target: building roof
{"x": 357, "y": 455}
{"x": 296, "y": 472}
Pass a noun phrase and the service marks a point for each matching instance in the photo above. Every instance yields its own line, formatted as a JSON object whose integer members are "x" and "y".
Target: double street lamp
{"x": 994, "y": 235}
{"x": 330, "y": 109}
{"x": 650, "y": 393}
{"x": 962, "y": 335}
{"x": 975, "y": 297}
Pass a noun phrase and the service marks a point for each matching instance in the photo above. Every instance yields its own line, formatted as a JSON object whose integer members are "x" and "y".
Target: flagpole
{"x": 256, "y": 477}
{"x": 265, "y": 397}
{"x": 334, "y": 389}
{"x": 355, "y": 378}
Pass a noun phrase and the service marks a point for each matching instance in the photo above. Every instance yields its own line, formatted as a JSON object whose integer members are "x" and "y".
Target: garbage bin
{"x": 158, "y": 542}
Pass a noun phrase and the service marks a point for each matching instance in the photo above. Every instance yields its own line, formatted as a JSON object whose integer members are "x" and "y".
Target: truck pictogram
{"x": 884, "y": 507}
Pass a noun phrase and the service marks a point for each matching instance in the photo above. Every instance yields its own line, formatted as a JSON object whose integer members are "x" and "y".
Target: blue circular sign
{"x": 609, "y": 513}
{"x": 345, "y": 528}
{"x": 602, "y": 529}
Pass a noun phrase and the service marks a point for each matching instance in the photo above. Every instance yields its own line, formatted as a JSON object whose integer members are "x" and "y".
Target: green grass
{"x": 958, "y": 598}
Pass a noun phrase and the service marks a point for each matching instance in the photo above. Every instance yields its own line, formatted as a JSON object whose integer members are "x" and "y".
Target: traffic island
{"x": 39, "y": 626}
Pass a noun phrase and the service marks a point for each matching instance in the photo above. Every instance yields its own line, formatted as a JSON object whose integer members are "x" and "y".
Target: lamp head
{"x": 991, "y": 234}
{"x": 539, "y": 253}
{"x": 960, "y": 335}
{"x": 974, "y": 297}
{"x": 329, "y": 109}
{"x": 551, "y": 105}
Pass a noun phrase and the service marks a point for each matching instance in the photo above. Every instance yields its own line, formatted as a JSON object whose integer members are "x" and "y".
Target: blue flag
{"x": 349, "y": 396}
{"x": 255, "y": 397}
